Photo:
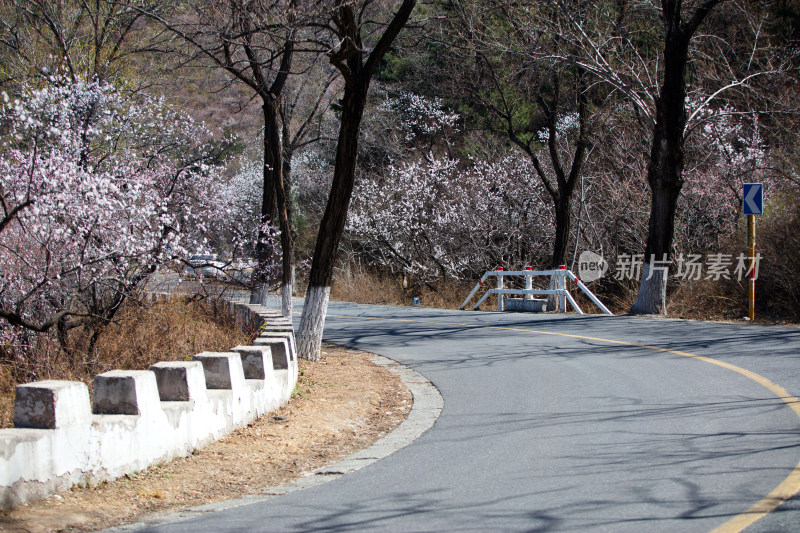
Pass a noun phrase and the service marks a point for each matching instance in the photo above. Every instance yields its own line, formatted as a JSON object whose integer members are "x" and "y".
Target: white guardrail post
{"x": 561, "y": 285}
{"x": 500, "y": 302}
{"x": 528, "y": 284}
{"x": 589, "y": 293}
{"x": 475, "y": 290}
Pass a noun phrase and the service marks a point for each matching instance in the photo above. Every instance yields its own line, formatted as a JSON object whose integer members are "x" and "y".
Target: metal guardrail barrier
{"x": 561, "y": 291}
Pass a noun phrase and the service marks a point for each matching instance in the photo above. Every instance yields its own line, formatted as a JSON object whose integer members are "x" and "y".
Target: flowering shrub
{"x": 419, "y": 116}
{"x": 236, "y": 221}
{"x": 726, "y": 150}
{"x": 438, "y": 218}
{"x": 97, "y": 188}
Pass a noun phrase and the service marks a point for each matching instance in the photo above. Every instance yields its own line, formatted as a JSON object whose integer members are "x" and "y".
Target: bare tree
{"x": 305, "y": 121}
{"x": 539, "y": 103}
{"x": 82, "y": 40}
{"x": 670, "y": 77}
{"x": 665, "y": 171}
{"x": 352, "y": 28}
{"x": 254, "y": 41}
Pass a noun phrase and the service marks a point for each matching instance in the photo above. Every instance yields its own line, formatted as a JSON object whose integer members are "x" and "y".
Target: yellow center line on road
{"x": 788, "y": 488}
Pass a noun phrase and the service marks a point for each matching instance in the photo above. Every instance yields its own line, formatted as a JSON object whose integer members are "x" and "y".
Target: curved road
{"x": 565, "y": 423}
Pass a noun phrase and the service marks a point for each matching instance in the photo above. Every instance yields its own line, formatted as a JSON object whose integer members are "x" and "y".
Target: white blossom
{"x": 84, "y": 216}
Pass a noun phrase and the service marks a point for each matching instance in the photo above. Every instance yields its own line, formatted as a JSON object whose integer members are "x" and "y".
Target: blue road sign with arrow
{"x": 753, "y": 194}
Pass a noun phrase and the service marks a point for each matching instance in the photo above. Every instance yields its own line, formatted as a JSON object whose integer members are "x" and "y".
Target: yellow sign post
{"x": 752, "y": 204}
{"x": 751, "y": 244}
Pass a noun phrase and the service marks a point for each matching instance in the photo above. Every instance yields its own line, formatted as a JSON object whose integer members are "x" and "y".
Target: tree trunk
{"x": 652, "y": 296}
{"x": 563, "y": 226}
{"x": 332, "y": 225}
{"x": 560, "y": 247}
{"x": 260, "y": 292}
{"x": 272, "y": 172}
{"x": 287, "y": 227}
{"x": 312, "y": 323}
{"x": 665, "y": 169}
{"x": 357, "y": 74}
{"x": 653, "y": 292}
{"x": 287, "y": 248}
{"x": 286, "y": 296}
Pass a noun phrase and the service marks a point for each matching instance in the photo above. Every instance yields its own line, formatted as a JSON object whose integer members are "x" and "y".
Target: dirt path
{"x": 344, "y": 404}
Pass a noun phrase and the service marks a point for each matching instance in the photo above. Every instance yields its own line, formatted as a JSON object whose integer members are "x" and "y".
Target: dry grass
{"x": 354, "y": 284}
{"x": 694, "y": 300}
{"x": 7, "y": 407}
{"x": 363, "y": 285}
{"x": 140, "y": 336}
{"x": 708, "y": 300}
{"x": 168, "y": 331}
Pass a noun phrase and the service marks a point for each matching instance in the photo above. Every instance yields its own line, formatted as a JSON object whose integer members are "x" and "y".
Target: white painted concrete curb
{"x": 142, "y": 417}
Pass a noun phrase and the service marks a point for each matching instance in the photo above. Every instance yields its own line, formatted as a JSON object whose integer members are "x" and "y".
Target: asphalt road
{"x": 548, "y": 426}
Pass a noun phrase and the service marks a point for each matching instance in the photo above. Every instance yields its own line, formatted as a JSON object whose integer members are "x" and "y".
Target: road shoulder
{"x": 350, "y": 409}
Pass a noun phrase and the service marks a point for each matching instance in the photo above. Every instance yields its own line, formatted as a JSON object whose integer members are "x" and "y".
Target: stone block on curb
{"x": 280, "y": 351}
{"x": 167, "y": 419}
{"x": 278, "y": 321}
{"x": 180, "y": 381}
{"x": 254, "y": 360}
{"x": 277, "y": 328}
{"x": 52, "y": 404}
{"x": 275, "y": 333}
{"x": 223, "y": 370}
{"x": 277, "y": 324}
{"x": 272, "y": 335}
{"x": 125, "y": 392}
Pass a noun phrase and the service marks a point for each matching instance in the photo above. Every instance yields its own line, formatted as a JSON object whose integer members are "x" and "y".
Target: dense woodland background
{"x": 495, "y": 133}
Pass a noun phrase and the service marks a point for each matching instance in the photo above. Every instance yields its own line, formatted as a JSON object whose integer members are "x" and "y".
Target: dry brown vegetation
{"x": 358, "y": 284}
{"x": 140, "y": 336}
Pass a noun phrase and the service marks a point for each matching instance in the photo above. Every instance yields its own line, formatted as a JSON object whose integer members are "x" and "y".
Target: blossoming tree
{"x": 96, "y": 190}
